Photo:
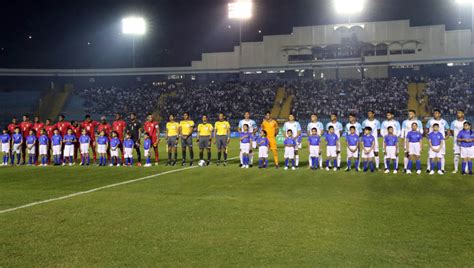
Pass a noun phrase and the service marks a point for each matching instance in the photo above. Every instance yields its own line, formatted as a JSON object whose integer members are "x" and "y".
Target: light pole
{"x": 134, "y": 26}
{"x": 240, "y": 10}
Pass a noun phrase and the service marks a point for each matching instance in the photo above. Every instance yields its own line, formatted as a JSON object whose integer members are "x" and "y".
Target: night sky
{"x": 179, "y": 30}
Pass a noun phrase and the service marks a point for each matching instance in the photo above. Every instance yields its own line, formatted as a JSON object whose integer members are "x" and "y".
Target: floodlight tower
{"x": 240, "y": 10}
{"x": 466, "y": 2}
{"x": 349, "y": 7}
{"x": 135, "y": 27}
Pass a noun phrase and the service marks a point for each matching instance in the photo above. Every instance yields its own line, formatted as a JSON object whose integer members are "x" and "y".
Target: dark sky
{"x": 179, "y": 30}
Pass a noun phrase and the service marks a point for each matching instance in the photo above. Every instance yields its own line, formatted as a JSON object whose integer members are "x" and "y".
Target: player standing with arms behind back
{"x": 374, "y": 124}
{"x": 337, "y": 128}
{"x": 204, "y": 138}
{"x": 320, "y": 128}
{"x": 295, "y": 128}
{"x": 390, "y": 122}
{"x": 186, "y": 129}
{"x": 456, "y": 127}
{"x": 153, "y": 129}
{"x": 443, "y": 129}
{"x": 271, "y": 128}
{"x": 252, "y": 129}
{"x": 222, "y": 138}
{"x": 407, "y": 126}
{"x": 172, "y": 132}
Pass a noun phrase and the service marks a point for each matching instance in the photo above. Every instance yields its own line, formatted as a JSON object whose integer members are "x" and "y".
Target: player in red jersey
{"x": 62, "y": 125}
{"x": 107, "y": 128}
{"x": 77, "y": 131}
{"x": 25, "y": 128}
{"x": 153, "y": 129}
{"x": 90, "y": 126}
{"x": 37, "y": 126}
{"x": 119, "y": 126}
{"x": 13, "y": 125}
{"x": 49, "y": 127}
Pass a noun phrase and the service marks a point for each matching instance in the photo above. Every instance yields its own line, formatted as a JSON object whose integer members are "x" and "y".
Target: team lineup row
{"x": 64, "y": 139}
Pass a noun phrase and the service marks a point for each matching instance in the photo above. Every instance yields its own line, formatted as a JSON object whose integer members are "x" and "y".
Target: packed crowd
{"x": 451, "y": 93}
{"x": 349, "y": 96}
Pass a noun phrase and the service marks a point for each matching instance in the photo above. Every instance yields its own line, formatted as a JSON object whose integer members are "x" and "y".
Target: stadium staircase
{"x": 286, "y": 107}
{"x": 161, "y": 102}
{"x": 417, "y": 99}
{"x": 53, "y": 101}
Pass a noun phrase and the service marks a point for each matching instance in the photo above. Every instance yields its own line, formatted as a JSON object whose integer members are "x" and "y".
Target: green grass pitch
{"x": 226, "y": 216}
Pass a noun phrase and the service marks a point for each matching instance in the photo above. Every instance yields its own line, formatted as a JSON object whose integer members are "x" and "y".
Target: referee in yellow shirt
{"x": 186, "y": 129}
{"x": 222, "y": 138}
{"x": 172, "y": 131}
{"x": 204, "y": 134}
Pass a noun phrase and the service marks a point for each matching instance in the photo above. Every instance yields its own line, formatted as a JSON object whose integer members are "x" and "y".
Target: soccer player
{"x": 128, "y": 145}
{"x": 31, "y": 147}
{"x": 25, "y": 128}
{"x": 252, "y": 129}
{"x": 90, "y": 127}
{"x": 204, "y": 135}
{"x": 358, "y": 129}
{"x": 443, "y": 129}
{"x": 313, "y": 143}
{"x": 368, "y": 143}
{"x": 414, "y": 148}
{"x": 374, "y": 124}
{"x": 114, "y": 148}
{"x": 186, "y": 129}
{"x": 296, "y": 132}
{"x": 390, "y": 147}
{"x": 69, "y": 140}
{"x": 465, "y": 138}
{"x": 102, "y": 143}
{"x": 119, "y": 127}
{"x": 263, "y": 143}
{"x": 43, "y": 141}
{"x": 222, "y": 138}
{"x": 134, "y": 128}
{"x": 17, "y": 139}
{"x": 456, "y": 127}
{"x": 407, "y": 127}
{"x": 153, "y": 129}
{"x": 436, "y": 142}
{"x": 352, "y": 142}
{"x": 76, "y": 130}
{"x": 389, "y": 122}
{"x": 271, "y": 128}
{"x": 172, "y": 132}
{"x": 37, "y": 126}
{"x": 57, "y": 143}
{"x": 146, "y": 150}
{"x": 49, "y": 127}
{"x": 332, "y": 147}
{"x": 11, "y": 127}
{"x": 290, "y": 145}
{"x": 320, "y": 127}
{"x": 63, "y": 125}
{"x": 6, "y": 142}
{"x": 337, "y": 126}
{"x": 107, "y": 129}
{"x": 245, "y": 142}
{"x": 84, "y": 143}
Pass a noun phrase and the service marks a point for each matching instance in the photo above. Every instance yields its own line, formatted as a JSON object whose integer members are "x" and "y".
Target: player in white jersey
{"x": 295, "y": 128}
{"x": 407, "y": 127}
{"x": 456, "y": 126}
{"x": 374, "y": 124}
{"x": 390, "y": 122}
{"x": 443, "y": 128}
{"x": 338, "y": 131}
{"x": 320, "y": 128}
{"x": 252, "y": 129}
{"x": 358, "y": 127}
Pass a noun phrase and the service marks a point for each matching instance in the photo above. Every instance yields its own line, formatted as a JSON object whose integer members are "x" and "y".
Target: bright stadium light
{"x": 348, "y": 7}
{"x": 240, "y": 9}
{"x": 134, "y": 26}
{"x": 465, "y": 1}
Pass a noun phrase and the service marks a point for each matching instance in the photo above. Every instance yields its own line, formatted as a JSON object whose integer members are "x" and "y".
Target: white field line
{"x": 98, "y": 189}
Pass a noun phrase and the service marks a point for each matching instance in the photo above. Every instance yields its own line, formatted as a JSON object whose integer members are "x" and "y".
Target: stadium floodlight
{"x": 348, "y": 7}
{"x": 240, "y": 9}
{"x": 133, "y": 26}
{"x": 465, "y": 1}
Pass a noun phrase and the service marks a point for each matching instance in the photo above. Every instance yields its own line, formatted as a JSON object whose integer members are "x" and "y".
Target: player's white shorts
{"x": 414, "y": 148}
{"x": 114, "y": 152}
{"x": 456, "y": 148}
{"x": 331, "y": 151}
{"x": 376, "y": 147}
{"x": 32, "y": 150}
{"x": 313, "y": 151}
{"x": 433, "y": 154}
{"x": 128, "y": 152}
{"x": 5, "y": 147}
{"x": 56, "y": 149}
{"x": 43, "y": 149}
{"x": 263, "y": 152}
{"x": 467, "y": 152}
{"x": 370, "y": 154}
{"x": 254, "y": 145}
{"x": 391, "y": 152}
{"x": 68, "y": 150}
{"x": 85, "y": 148}
{"x": 245, "y": 148}
{"x": 101, "y": 148}
{"x": 146, "y": 152}
{"x": 351, "y": 154}
{"x": 16, "y": 148}
{"x": 289, "y": 152}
